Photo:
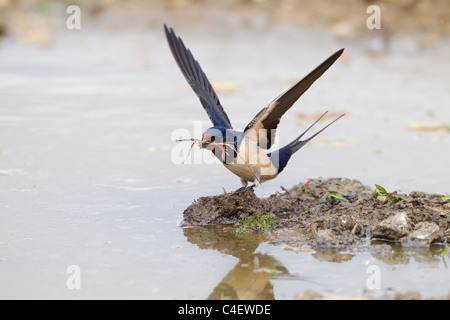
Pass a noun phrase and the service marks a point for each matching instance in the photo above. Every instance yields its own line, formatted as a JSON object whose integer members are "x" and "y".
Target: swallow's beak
{"x": 205, "y": 143}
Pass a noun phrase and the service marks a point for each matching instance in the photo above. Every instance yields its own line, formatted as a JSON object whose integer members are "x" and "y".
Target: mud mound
{"x": 303, "y": 216}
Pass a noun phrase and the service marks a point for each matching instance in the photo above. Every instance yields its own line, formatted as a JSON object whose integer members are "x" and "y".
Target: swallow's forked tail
{"x": 297, "y": 143}
{"x": 285, "y": 153}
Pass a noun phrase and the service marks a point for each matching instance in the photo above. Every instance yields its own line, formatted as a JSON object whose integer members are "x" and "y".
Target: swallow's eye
{"x": 213, "y": 138}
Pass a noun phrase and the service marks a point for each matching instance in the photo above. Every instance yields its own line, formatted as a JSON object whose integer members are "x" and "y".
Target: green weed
{"x": 380, "y": 191}
{"x": 272, "y": 272}
{"x": 258, "y": 222}
{"x": 335, "y": 195}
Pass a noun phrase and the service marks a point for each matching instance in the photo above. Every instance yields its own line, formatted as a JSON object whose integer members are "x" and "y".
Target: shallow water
{"x": 86, "y": 176}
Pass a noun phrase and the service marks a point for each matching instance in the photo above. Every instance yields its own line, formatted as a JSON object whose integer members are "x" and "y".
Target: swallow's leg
{"x": 242, "y": 189}
{"x": 244, "y": 186}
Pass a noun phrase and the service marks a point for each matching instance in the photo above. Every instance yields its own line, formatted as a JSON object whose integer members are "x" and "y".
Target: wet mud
{"x": 303, "y": 217}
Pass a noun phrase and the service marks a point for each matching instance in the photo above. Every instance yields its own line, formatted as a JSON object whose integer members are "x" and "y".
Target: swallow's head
{"x": 213, "y": 138}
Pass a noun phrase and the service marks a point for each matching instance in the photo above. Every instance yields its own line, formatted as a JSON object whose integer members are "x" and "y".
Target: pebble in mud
{"x": 392, "y": 228}
{"x": 335, "y": 231}
{"x": 400, "y": 228}
{"x": 424, "y": 233}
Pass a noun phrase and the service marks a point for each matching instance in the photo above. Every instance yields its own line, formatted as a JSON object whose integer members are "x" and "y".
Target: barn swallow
{"x": 243, "y": 153}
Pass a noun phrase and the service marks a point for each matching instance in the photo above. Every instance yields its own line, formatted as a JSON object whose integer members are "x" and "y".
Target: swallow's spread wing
{"x": 197, "y": 79}
{"x": 269, "y": 117}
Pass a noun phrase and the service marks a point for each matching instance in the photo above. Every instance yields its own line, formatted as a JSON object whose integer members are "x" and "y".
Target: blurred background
{"x": 87, "y": 116}
{"x": 391, "y": 82}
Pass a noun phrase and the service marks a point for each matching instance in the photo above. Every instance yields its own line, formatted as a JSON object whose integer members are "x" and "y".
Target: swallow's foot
{"x": 243, "y": 189}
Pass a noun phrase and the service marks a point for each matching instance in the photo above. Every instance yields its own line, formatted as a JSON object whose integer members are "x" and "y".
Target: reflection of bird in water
{"x": 244, "y": 153}
{"x": 248, "y": 279}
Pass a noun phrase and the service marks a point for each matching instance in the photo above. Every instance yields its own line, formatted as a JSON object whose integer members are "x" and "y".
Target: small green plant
{"x": 258, "y": 222}
{"x": 380, "y": 191}
{"x": 443, "y": 256}
{"x": 335, "y": 195}
{"x": 273, "y": 272}
{"x": 446, "y": 199}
